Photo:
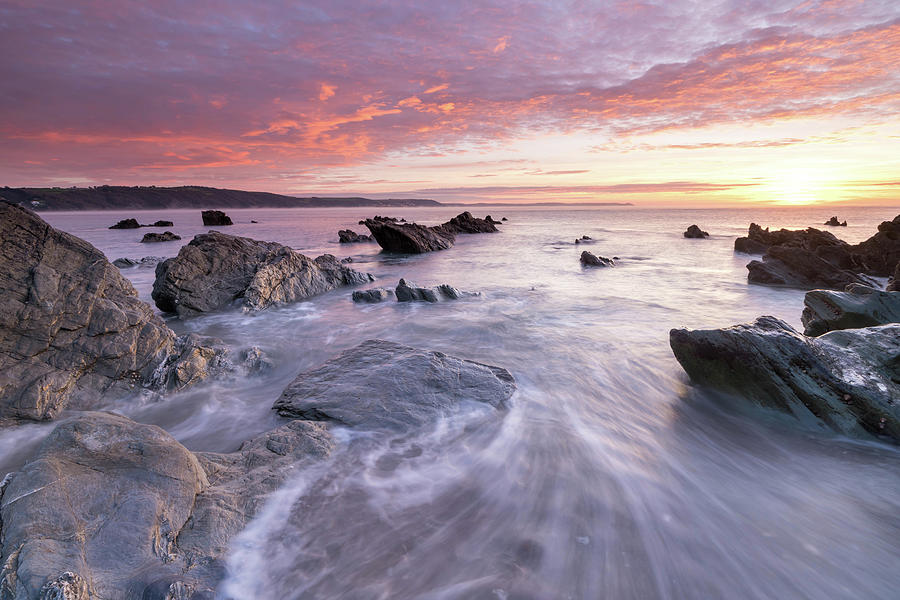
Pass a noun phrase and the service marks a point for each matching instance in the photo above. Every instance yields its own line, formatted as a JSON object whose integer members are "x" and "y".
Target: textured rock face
{"x": 880, "y": 254}
{"x": 412, "y": 238}
{"x": 147, "y": 261}
{"x": 348, "y": 236}
{"x": 373, "y": 295}
{"x": 166, "y": 236}
{"x": 695, "y": 232}
{"x": 410, "y": 292}
{"x": 843, "y": 380}
{"x": 466, "y": 223}
{"x": 592, "y": 260}
{"x": 214, "y": 218}
{"x": 799, "y": 267}
{"x": 71, "y": 326}
{"x": 894, "y": 283}
{"x": 857, "y": 306}
{"x": 109, "y": 508}
{"x": 214, "y": 269}
{"x": 381, "y": 385}
{"x": 193, "y": 359}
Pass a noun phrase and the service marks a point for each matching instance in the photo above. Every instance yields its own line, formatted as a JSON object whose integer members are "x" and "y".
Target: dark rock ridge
{"x": 880, "y": 254}
{"x": 126, "y": 224}
{"x": 71, "y": 326}
{"x": 695, "y": 232}
{"x": 846, "y": 381}
{"x": 166, "y": 236}
{"x": 592, "y": 260}
{"x": 215, "y": 218}
{"x": 147, "y": 261}
{"x": 490, "y": 219}
{"x": 833, "y": 222}
{"x": 857, "y": 306}
{"x": 372, "y": 296}
{"x": 110, "y": 508}
{"x": 162, "y": 224}
{"x": 799, "y": 267}
{"x": 412, "y": 238}
{"x": 348, "y": 236}
{"x": 410, "y": 292}
{"x": 214, "y": 269}
{"x": 382, "y": 385}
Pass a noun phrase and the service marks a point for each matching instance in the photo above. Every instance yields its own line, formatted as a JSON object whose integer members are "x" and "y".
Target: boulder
{"x": 833, "y": 222}
{"x": 382, "y": 385}
{"x": 592, "y": 260}
{"x": 214, "y": 218}
{"x": 147, "y": 261}
{"x": 373, "y": 295}
{"x": 503, "y": 218}
{"x": 694, "y": 232}
{"x": 410, "y": 292}
{"x": 166, "y": 236}
{"x": 798, "y": 267}
{"x": 348, "y": 236}
{"x": 857, "y": 306}
{"x": 126, "y": 224}
{"x": 214, "y": 269}
{"x": 161, "y": 224}
{"x": 844, "y": 380}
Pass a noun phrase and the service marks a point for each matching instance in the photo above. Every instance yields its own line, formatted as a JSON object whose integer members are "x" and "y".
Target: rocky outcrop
{"x": 759, "y": 240}
{"x": 348, "y": 236}
{"x": 381, "y": 385}
{"x": 161, "y": 224}
{"x": 857, "y": 306}
{"x": 694, "y": 232}
{"x": 844, "y": 380}
{"x": 166, "y": 236}
{"x": 798, "y": 267}
{"x": 215, "y": 218}
{"x": 214, "y": 270}
{"x": 880, "y": 254}
{"x": 126, "y": 224}
{"x": 372, "y": 296}
{"x": 833, "y": 222}
{"x": 147, "y": 261}
{"x": 412, "y": 238}
{"x": 466, "y": 223}
{"x": 110, "y": 508}
{"x": 410, "y": 292}
{"x": 894, "y": 283}
{"x": 592, "y": 260}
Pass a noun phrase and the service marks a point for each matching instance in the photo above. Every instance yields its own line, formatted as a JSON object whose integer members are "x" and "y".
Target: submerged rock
{"x": 166, "y": 236}
{"x": 857, "y": 306}
{"x": 348, "y": 236}
{"x": 695, "y": 232}
{"x": 381, "y": 385}
{"x": 844, "y": 380}
{"x": 373, "y": 295}
{"x": 126, "y": 224}
{"x": 214, "y": 269}
{"x": 833, "y": 222}
{"x": 213, "y": 218}
{"x": 592, "y": 260}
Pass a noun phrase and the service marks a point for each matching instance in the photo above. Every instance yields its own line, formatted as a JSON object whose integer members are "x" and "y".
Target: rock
{"x": 758, "y": 240}
{"x": 126, "y": 224}
{"x": 586, "y": 237}
{"x": 381, "y": 385}
{"x": 880, "y": 254}
{"x": 410, "y": 292}
{"x": 373, "y": 295}
{"x": 409, "y": 238}
{"x": 214, "y": 269}
{"x": 254, "y": 221}
{"x": 466, "y": 223}
{"x": 147, "y": 261}
{"x": 858, "y": 306}
{"x": 110, "y": 508}
{"x": 503, "y": 219}
{"x": 167, "y": 236}
{"x": 71, "y": 326}
{"x": 489, "y": 219}
{"x": 380, "y": 219}
{"x": 833, "y": 222}
{"x": 213, "y": 218}
{"x": 161, "y": 224}
{"x": 798, "y": 267}
{"x": 592, "y": 260}
{"x": 843, "y": 380}
{"x": 894, "y": 283}
{"x": 255, "y": 362}
{"x": 193, "y": 359}
{"x": 695, "y": 232}
{"x": 348, "y": 236}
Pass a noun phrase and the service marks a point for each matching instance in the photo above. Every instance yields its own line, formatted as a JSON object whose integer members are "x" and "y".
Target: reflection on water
{"x": 609, "y": 477}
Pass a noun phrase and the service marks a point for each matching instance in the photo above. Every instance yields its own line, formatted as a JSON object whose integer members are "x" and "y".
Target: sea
{"x": 610, "y": 476}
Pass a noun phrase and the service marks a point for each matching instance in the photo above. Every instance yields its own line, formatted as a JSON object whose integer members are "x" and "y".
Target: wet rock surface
{"x": 857, "y": 306}
{"x": 410, "y": 292}
{"x": 372, "y": 296}
{"x": 214, "y": 270}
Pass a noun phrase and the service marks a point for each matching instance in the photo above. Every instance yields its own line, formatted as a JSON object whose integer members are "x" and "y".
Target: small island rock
{"x": 215, "y": 218}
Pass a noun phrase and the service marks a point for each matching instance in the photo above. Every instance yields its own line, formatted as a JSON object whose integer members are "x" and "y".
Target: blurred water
{"x": 610, "y": 477}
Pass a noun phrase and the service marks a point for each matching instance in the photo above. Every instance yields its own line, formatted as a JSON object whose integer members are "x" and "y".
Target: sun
{"x": 797, "y": 186}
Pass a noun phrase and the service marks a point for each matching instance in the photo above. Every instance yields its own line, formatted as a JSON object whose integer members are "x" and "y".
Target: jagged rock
{"x": 489, "y": 219}
{"x": 410, "y": 292}
{"x": 759, "y": 240}
{"x": 844, "y": 380}
{"x": 466, "y": 223}
{"x": 147, "y": 261}
{"x": 894, "y": 283}
{"x": 373, "y": 295}
{"x": 71, "y": 326}
{"x": 348, "y": 236}
{"x": 833, "y": 222}
{"x": 381, "y": 385}
{"x": 695, "y": 232}
{"x": 592, "y": 260}
{"x": 857, "y": 306}
{"x": 161, "y": 224}
{"x": 254, "y": 361}
{"x": 802, "y": 268}
{"x": 110, "y": 508}
{"x": 193, "y": 359}
{"x": 126, "y": 224}
{"x": 166, "y": 236}
{"x": 214, "y": 218}
{"x": 880, "y": 254}
{"x": 412, "y": 238}
{"x": 214, "y": 269}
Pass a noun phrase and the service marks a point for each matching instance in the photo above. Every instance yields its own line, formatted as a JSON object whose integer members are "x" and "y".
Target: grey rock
{"x": 147, "y": 261}
{"x": 193, "y": 359}
{"x": 410, "y": 292}
{"x": 373, "y": 295}
{"x": 843, "y": 380}
{"x": 71, "y": 326}
{"x": 254, "y": 361}
{"x": 215, "y": 218}
{"x": 166, "y": 236}
{"x": 894, "y": 283}
{"x": 381, "y": 385}
{"x": 214, "y": 269}
{"x": 695, "y": 232}
{"x": 857, "y": 306}
{"x": 592, "y": 260}
{"x": 348, "y": 236}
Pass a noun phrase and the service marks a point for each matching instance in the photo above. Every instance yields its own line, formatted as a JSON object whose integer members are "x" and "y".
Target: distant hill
{"x": 109, "y": 197}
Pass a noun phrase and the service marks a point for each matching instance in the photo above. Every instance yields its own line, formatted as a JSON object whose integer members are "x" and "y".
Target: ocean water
{"x": 610, "y": 476}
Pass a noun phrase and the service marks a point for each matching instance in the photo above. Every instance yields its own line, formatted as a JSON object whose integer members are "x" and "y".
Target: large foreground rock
{"x": 214, "y": 269}
{"x": 843, "y": 380}
{"x": 857, "y": 306}
{"x": 412, "y": 238}
{"x": 114, "y": 509}
{"x": 381, "y": 385}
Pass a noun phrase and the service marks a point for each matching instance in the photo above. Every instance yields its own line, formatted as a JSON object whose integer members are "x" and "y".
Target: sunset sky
{"x": 669, "y": 102}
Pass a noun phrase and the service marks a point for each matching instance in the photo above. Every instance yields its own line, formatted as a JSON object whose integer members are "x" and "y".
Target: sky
{"x": 670, "y": 102}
